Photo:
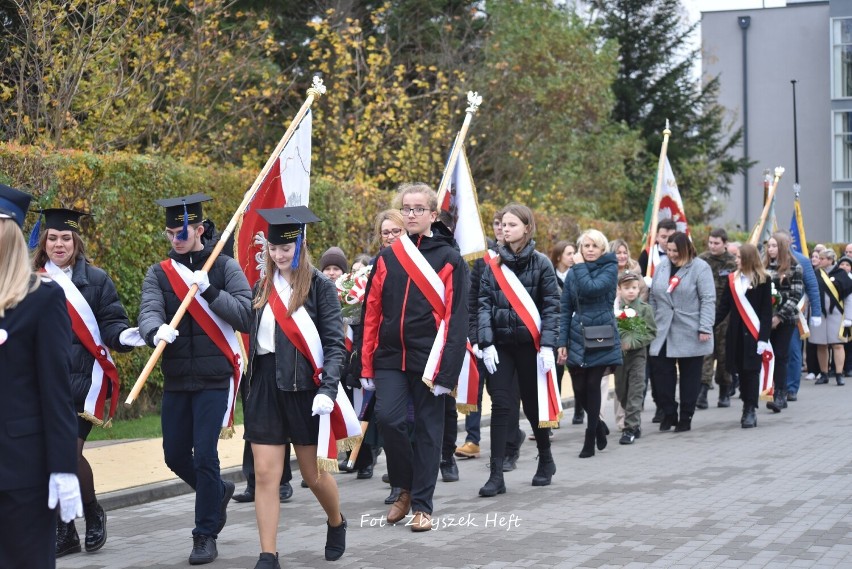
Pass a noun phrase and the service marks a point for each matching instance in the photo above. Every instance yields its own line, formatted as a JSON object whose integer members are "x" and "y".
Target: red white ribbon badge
{"x": 673, "y": 282}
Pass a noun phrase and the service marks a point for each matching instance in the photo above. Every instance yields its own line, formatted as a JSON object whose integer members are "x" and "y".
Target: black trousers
{"x": 750, "y": 387}
{"x": 780, "y": 339}
{"x": 28, "y": 538}
{"x": 411, "y": 465}
{"x": 515, "y": 378}
{"x": 586, "y": 382}
{"x": 668, "y": 372}
{"x": 451, "y": 428}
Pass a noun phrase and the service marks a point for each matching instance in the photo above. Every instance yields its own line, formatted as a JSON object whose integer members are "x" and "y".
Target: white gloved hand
{"x": 323, "y": 405}
{"x": 367, "y": 384}
{"x": 165, "y": 332}
{"x": 64, "y": 488}
{"x": 762, "y": 347}
{"x": 847, "y": 323}
{"x": 490, "y": 359}
{"x": 202, "y": 279}
{"x": 648, "y": 281}
{"x": 441, "y": 390}
{"x": 546, "y": 360}
{"x": 131, "y": 337}
{"x": 476, "y": 351}
{"x": 816, "y": 321}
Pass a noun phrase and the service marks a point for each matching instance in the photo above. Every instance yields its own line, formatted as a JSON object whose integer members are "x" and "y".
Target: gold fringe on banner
{"x": 348, "y": 443}
{"x": 227, "y": 433}
{"x": 327, "y": 465}
{"x": 91, "y": 418}
{"x": 466, "y": 408}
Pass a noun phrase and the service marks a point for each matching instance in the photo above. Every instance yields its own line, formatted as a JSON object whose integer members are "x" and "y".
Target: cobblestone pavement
{"x": 779, "y": 495}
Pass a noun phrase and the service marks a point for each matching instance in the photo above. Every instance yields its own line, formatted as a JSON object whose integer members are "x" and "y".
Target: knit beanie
{"x": 334, "y": 256}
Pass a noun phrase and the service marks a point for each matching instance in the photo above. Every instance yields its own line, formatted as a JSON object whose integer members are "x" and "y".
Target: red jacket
{"x": 399, "y": 323}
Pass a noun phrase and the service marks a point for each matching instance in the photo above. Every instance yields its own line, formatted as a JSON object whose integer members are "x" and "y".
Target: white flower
{"x": 629, "y": 312}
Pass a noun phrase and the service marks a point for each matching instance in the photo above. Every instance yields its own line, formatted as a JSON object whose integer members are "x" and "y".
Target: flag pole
{"x": 758, "y": 229}
{"x": 473, "y": 101}
{"x": 316, "y": 90}
{"x": 658, "y": 195}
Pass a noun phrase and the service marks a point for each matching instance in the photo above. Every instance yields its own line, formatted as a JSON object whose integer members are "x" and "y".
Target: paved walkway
{"x": 718, "y": 496}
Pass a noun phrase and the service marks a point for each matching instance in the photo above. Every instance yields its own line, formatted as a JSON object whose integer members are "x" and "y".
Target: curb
{"x": 146, "y": 493}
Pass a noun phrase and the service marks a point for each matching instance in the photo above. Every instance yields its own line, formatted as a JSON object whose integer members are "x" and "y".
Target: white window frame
{"x": 835, "y": 62}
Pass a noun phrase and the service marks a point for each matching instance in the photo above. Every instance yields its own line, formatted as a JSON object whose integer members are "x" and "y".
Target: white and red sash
{"x": 340, "y": 430}
{"x": 549, "y": 400}
{"x": 752, "y": 322}
{"x": 430, "y": 285}
{"x": 220, "y": 332}
{"x": 86, "y": 328}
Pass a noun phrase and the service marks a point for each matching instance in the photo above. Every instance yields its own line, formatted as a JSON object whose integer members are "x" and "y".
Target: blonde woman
{"x": 35, "y": 354}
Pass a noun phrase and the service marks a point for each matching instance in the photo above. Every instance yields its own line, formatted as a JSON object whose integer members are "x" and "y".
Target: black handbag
{"x": 595, "y": 337}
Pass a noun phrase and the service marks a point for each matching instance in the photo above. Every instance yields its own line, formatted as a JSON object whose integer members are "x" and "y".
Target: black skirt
{"x": 274, "y": 416}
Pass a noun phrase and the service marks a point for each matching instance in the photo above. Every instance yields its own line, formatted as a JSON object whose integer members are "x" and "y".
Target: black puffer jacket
{"x": 399, "y": 324}
{"x": 293, "y": 372}
{"x": 498, "y": 321}
{"x": 473, "y": 296}
{"x": 193, "y": 362}
{"x": 99, "y": 291}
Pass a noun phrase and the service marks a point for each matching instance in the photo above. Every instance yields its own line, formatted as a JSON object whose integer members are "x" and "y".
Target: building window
{"x": 841, "y": 41}
{"x": 842, "y": 156}
{"x": 843, "y": 216}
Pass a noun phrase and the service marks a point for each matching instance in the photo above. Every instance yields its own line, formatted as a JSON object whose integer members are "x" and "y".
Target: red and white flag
{"x": 287, "y": 183}
{"x": 671, "y": 207}
{"x": 460, "y": 203}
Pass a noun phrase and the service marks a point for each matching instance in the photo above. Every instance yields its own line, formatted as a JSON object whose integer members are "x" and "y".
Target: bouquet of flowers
{"x": 776, "y": 298}
{"x": 630, "y": 326}
{"x": 350, "y": 290}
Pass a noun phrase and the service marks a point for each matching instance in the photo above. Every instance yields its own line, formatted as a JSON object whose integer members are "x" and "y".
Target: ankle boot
{"x": 839, "y": 378}
{"x": 96, "y": 534}
{"x": 668, "y": 422}
{"x": 67, "y": 540}
{"x": 822, "y": 378}
{"x": 685, "y": 424}
{"x": 782, "y": 398}
{"x": 776, "y": 404}
{"x": 701, "y": 403}
{"x": 335, "y": 540}
{"x": 495, "y": 484}
{"x": 588, "y": 445}
{"x": 600, "y": 435}
{"x": 749, "y": 419}
{"x": 578, "y": 416}
{"x": 546, "y": 468}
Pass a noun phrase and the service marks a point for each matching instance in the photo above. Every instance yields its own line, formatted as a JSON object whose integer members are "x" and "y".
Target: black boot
{"x": 96, "y": 534}
{"x": 588, "y": 445}
{"x": 578, "y": 416}
{"x": 495, "y": 484}
{"x": 776, "y": 404}
{"x": 268, "y": 561}
{"x": 749, "y": 420}
{"x": 546, "y": 468}
{"x": 782, "y": 398}
{"x": 449, "y": 470}
{"x": 335, "y": 540}
{"x": 839, "y": 378}
{"x": 668, "y": 422}
{"x": 685, "y": 424}
{"x": 600, "y": 435}
{"x": 702, "y": 397}
{"x": 821, "y": 379}
{"x": 724, "y": 396}
{"x": 67, "y": 540}
{"x": 392, "y": 497}
{"x": 658, "y": 415}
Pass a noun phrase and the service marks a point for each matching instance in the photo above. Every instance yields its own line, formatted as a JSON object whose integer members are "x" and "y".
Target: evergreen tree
{"x": 656, "y": 82}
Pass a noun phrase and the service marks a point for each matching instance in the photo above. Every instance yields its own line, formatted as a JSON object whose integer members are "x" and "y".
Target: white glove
{"x": 131, "y": 337}
{"x": 762, "y": 347}
{"x": 367, "y": 384}
{"x": 816, "y": 321}
{"x": 165, "y": 332}
{"x": 648, "y": 281}
{"x": 490, "y": 359}
{"x": 323, "y": 405}
{"x": 847, "y": 323}
{"x": 546, "y": 360}
{"x": 441, "y": 390}
{"x": 476, "y": 351}
{"x": 202, "y": 279}
{"x": 64, "y": 488}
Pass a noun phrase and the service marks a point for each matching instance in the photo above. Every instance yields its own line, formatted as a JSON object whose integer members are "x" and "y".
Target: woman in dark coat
{"x": 587, "y": 300}
{"x": 744, "y": 351}
{"x": 509, "y": 350}
{"x": 61, "y": 253}
{"x": 38, "y": 428}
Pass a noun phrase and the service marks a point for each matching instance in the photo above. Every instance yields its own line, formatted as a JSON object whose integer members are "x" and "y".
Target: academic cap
{"x": 184, "y": 211}
{"x": 14, "y": 203}
{"x": 287, "y": 224}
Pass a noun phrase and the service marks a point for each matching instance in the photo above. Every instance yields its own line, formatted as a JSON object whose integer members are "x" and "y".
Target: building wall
{"x": 782, "y": 44}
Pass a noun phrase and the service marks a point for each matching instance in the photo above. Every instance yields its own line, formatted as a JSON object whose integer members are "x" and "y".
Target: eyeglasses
{"x": 388, "y": 232}
{"x": 172, "y": 236}
{"x": 418, "y": 211}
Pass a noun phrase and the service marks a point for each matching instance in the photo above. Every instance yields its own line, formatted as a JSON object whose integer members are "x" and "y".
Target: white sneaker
{"x": 810, "y": 377}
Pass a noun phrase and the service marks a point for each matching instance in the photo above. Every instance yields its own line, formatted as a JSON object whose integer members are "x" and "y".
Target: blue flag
{"x": 797, "y": 230}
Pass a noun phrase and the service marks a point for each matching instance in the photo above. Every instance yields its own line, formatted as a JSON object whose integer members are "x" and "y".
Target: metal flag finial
{"x": 317, "y": 88}
{"x": 474, "y": 99}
